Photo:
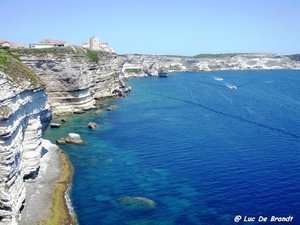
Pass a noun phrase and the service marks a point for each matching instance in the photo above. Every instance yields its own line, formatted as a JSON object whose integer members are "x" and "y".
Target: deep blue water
{"x": 203, "y": 152}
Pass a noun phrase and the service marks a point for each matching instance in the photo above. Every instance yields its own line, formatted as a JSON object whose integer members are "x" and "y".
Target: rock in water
{"x": 98, "y": 111}
{"x": 55, "y": 125}
{"x": 61, "y": 141}
{"x": 112, "y": 107}
{"x": 74, "y": 138}
{"x": 92, "y": 125}
{"x": 78, "y": 111}
{"x": 132, "y": 202}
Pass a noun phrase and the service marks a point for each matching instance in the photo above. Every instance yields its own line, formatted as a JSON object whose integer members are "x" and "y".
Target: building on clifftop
{"x": 10, "y": 44}
{"x": 4, "y": 43}
{"x": 49, "y": 43}
{"x": 96, "y": 45}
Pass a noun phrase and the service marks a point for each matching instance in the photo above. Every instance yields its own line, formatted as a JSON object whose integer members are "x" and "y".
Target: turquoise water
{"x": 203, "y": 152}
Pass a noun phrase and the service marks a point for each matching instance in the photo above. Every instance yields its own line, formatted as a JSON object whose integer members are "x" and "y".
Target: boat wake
{"x": 233, "y": 87}
{"x": 218, "y": 78}
{"x": 282, "y": 131}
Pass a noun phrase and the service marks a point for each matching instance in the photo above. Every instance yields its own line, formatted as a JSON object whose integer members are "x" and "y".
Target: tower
{"x": 94, "y": 43}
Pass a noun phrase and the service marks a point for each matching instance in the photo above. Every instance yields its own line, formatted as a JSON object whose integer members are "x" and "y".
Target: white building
{"x": 86, "y": 45}
{"x": 49, "y": 43}
{"x": 96, "y": 45}
{"x": 4, "y": 44}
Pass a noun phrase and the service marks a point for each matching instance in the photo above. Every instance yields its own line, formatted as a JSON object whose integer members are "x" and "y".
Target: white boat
{"x": 218, "y": 78}
{"x": 233, "y": 87}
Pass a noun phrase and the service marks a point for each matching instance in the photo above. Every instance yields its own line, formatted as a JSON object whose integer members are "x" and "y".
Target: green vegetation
{"x": 9, "y": 52}
{"x": 93, "y": 55}
{"x": 177, "y": 56}
{"x": 16, "y": 71}
{"x": 42, "y": 51}
{"x": 133, "y": 70}
{"x": 151, "y": 66}
{"x": 295, "y": 57}
{"x": 216, "y": 55}
{"x": 174, "y": 67}
{"x": 60, "y": 213}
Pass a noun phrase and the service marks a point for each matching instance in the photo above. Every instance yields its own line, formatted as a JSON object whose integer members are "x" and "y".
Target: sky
{"x": 173, "y": 27}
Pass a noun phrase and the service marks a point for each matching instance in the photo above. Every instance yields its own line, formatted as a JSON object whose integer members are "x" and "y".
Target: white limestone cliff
{"x": 24, "y": 116}
{"x": 72, "y": 80}
{"x": 148, "y": 65}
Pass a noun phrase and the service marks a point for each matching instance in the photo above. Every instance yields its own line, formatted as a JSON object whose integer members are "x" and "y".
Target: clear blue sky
{"x": 179, "y": 27}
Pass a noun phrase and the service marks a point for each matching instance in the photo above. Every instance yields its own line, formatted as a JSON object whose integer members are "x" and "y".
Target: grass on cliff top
{"x": 54, "y": 51}
{"x": 217, "y": 55}
{"x": 11, "y": 65}
{"x": 62, "y": 52}
{"x": 93, "y": 56}
{"x": 295, "y": 57}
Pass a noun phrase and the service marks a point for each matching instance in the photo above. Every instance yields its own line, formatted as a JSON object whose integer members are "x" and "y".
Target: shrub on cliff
{"x": 93, "y": 55}
{"x": 11, "y": 65}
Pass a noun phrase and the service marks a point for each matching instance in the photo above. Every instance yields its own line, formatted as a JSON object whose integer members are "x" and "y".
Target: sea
{"x": 219, "y": 147}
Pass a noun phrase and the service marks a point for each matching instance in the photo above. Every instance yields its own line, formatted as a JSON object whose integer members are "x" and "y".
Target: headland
{"x": 37, "y": 84}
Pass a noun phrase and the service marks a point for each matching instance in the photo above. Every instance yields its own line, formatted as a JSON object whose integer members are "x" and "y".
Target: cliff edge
{"x": 74, "y": 76}
{"x": 24, "y": 116}
{"x": 148, "y": 65}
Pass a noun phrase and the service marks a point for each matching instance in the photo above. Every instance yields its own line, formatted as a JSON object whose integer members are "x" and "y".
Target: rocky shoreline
{"x": 47, "y": 195}
{"x": 37, "y": 85}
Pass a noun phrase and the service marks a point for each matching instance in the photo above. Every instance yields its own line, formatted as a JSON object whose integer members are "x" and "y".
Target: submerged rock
{"x": 136, "y": 202}
{"x": 112, "y": 107}
{"x": 98, "y": 111}
{"x": 102, "y": 198}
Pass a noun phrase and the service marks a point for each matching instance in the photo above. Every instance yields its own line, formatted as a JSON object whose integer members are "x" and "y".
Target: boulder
{"x": 78, "y": 111}
{"x": 74, "y": 138}
{"x": 61, "y": 141}
{"x": 55, "y": 125}
{"x": 92, "y": 125}
{"x": 127, "y": 89}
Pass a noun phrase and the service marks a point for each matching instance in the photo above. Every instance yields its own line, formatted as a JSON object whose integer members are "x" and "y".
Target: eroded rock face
{"x": 148, "y": 65}
{"x": 24, "y": 116}
{"x": 72, "y": 81}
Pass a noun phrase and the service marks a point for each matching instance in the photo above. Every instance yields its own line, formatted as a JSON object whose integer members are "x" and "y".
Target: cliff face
{"x": 148, "y": 65}
{"x": 72, "y": 79}
{"x": 24, "y": 116}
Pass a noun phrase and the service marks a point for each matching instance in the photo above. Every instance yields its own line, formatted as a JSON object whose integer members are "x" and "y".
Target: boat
{"x": 233, "y": 87}
{"x": 218, "y": 78}
{"x": 162, "y": 73}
